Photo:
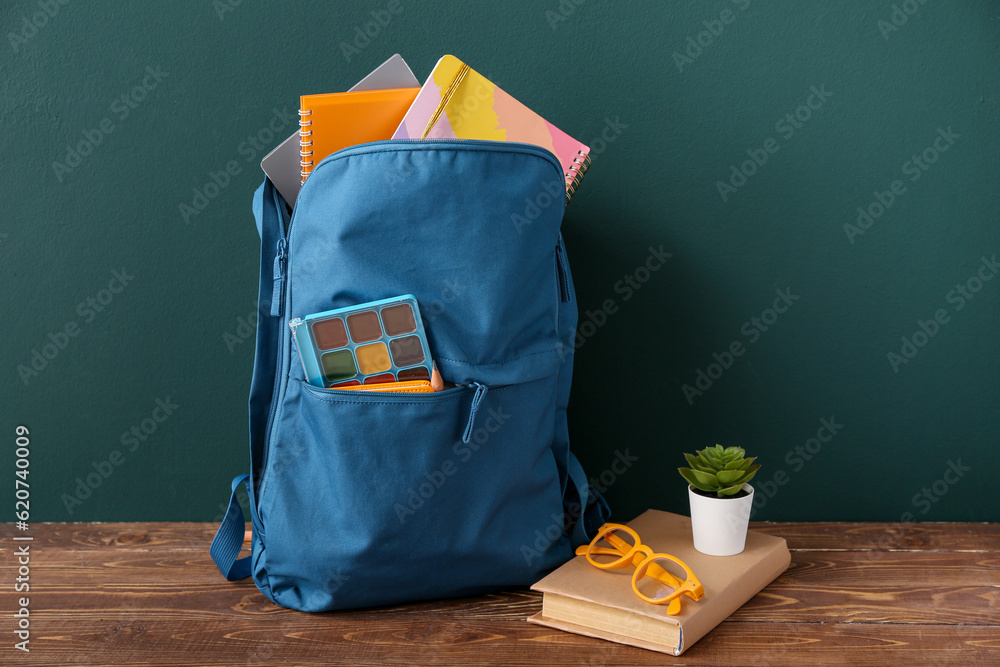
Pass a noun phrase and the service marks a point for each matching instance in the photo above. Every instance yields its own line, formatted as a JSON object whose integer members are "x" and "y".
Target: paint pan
{"x": 380, "y": 341}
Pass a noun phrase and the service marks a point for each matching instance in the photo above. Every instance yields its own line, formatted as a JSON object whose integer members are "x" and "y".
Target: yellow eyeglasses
{"x": 657, "y": 578}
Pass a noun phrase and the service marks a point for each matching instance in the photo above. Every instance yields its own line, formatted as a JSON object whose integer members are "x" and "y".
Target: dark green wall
{"x": 672, "y": 128}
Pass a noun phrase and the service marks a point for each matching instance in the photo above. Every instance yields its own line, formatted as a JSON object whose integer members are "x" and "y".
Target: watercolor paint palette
{"x": 371, "y": 343}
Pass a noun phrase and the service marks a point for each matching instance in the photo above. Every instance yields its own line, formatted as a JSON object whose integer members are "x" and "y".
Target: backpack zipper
{"x": 477, "y": 398}
{"x": 563, "y": 267}
{"x": 389, "y": 144}
{"x": 278, "y": 288}
{"x": 277, "y": 310}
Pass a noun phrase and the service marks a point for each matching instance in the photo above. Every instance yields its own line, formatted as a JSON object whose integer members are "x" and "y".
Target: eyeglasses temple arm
{"x": 622, "y": 547}
{"x": 658, "y": 573}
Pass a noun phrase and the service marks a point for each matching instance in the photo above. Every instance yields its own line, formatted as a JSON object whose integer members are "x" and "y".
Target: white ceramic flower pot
{"x": 719, "y": 525}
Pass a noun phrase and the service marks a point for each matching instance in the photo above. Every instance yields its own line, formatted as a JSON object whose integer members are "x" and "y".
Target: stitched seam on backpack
{"x": 326, "y": 398}
{"x": 331, "y": 399}
{"x": 498, "y": 363}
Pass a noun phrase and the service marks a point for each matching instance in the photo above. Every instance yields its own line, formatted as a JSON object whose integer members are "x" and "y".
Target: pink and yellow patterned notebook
{"x": 456, "y": 102}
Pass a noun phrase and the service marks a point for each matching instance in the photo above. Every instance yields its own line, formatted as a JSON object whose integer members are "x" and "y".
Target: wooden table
{"x": 148, "y": 594}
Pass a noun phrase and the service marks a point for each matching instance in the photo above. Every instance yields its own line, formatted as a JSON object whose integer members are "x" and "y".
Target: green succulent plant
{"x": 719, "y": 471}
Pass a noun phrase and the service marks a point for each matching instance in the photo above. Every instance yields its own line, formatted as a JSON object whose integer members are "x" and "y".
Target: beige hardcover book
{"x": 583, "y": 599}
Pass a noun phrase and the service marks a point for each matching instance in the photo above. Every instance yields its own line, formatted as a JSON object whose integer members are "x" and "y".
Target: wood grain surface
{"x": 855, "y": 594}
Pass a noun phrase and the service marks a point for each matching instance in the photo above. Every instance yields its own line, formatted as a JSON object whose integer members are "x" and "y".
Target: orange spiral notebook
{"x": 337, "y": 120}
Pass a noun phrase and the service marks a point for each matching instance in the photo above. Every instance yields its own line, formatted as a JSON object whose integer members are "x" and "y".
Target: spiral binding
{"x": 305, "y": 144}
{"x": 576, "y": 172}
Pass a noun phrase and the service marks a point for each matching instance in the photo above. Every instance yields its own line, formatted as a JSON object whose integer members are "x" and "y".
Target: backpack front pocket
{"x": 471, "y": 232}
{"x": 377, "y": 487}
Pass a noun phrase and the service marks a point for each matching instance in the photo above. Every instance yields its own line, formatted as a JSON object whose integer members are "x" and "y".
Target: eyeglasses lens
{"x": 611, "y": 546}
{"x": 654, "y": 581}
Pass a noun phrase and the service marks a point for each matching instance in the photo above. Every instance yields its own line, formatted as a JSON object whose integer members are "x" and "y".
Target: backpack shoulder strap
{"x": 594, "y": 511}
{"x": 228, "y": 538}
{"x": 271, "y": 217}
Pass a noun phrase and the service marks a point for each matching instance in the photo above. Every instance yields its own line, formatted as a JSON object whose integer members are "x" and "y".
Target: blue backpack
{"x": 360, "y": 499}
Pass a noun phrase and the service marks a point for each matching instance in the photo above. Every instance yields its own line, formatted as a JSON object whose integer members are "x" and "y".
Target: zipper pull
{"x": 477, "y": 398}
{"x": 563, "y": 267}
{"x": 278, "y": 291}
